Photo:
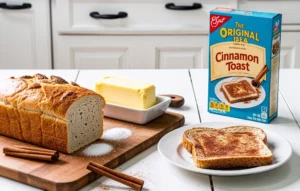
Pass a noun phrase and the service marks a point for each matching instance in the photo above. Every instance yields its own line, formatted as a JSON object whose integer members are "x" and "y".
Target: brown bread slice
{"x": 230, "y": 147}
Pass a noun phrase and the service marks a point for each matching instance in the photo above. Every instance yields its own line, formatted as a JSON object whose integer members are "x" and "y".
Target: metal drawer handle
{"x": 23, "y": 6}
{"x": 97, "y": 15}
{"x": 172, "y": 6}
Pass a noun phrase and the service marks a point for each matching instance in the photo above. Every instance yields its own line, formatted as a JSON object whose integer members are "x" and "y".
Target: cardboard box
{"x": 244, "y": 61}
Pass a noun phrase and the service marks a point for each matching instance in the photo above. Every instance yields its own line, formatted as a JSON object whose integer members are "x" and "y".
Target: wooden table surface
{"x": 160, "y": 175}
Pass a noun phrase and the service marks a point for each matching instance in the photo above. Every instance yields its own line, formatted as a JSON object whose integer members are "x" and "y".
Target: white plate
{"x": 252, "y": 103}
{"x": 139, "y": 116}
{"x": 171, "y": 148}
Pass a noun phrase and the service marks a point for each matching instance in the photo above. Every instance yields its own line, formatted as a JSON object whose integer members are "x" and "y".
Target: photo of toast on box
{"x": 240, "y": 90}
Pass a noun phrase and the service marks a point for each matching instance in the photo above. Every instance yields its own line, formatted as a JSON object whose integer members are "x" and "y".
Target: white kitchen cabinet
{"x": 290, "y": 37}
{"x": 143, "y": 16}
{"x": 181, "y": 52}
{"x": 180, "y": 57}
{"x": 104, "y": 52}
{"x": 98, "y": 57}
{"x": 150, "y": 36}
{"x": 290, "y": 50}
{"x": 288, "y": 8}
{"x": 123, "y": 52}
{"x": 25, "y": 34}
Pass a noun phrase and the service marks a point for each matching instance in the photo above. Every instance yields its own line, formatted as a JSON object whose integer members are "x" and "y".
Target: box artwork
{"x": 244, "y": 59}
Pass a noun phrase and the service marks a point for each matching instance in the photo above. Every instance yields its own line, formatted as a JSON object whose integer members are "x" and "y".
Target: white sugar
{"x": 116, "y": 133}
{"x": 97, "y": 149}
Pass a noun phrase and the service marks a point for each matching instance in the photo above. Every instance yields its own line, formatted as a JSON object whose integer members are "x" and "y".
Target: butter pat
{"x": 126, "y": 92}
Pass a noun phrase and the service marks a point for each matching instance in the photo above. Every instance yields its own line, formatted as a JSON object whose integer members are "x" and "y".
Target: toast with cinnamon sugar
{"x": 230, "y": 147}
{"x": 239, "y": 91}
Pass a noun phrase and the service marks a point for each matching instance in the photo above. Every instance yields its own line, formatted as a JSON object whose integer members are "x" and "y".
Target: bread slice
{"x": 230, "y": 147}
{"x": 239, "y": 90}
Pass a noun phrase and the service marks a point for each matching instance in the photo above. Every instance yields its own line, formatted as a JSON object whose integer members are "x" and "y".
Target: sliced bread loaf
{"x": 50, "y": 112}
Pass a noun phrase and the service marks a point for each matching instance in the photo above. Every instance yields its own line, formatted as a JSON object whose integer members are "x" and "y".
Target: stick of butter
{"x": 126, "y": 92}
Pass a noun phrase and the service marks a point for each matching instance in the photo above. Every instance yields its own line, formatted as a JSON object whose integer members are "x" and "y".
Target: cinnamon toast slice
{"x": 239, "y": 90}
{"x": 230, "y": 147}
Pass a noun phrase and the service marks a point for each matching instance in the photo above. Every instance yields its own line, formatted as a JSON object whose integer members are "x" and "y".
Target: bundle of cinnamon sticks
{"x": 117, "y": 176}
{"x": 32, "y": 153}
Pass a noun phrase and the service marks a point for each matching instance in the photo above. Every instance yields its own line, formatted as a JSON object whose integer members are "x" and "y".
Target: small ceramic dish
{"x": 139, "y": 116}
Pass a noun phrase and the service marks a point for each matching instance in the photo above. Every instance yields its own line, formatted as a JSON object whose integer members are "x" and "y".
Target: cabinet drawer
{"x": 289, "y": 8}
{"x": 75, "y": 15}
{"x": 25, "y": 35}
{"x": 135, "y": 52}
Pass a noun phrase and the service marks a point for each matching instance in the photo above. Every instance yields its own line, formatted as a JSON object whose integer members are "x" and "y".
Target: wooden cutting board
{"x": 70, "y": 172}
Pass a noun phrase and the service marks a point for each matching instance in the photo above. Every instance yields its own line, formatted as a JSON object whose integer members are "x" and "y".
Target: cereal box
{"x": 244, "y": 55}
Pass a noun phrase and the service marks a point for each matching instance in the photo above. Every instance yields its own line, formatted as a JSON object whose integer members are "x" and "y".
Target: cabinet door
{"x": 178, "y": 52}
{"x": 290, "y": 50}
{"x": 92, "y": 52}
{"x": 135, "y": 52}
{"x": 184, "y": 57}
{"x": 99, "y": 57}
{"x": 25, "y": 35}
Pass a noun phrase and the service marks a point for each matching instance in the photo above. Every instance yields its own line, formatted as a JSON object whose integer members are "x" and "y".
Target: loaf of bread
{"x": 50, "y": 112}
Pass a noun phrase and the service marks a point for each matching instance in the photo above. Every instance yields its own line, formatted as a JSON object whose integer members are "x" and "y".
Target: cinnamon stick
{"x": 32, "y": 156}
{"x": 125, "y": 176}
{"x": 263, "y": 71}
{"x": 31, "y": 153}
{"x": 52, "y": 152}
{"x": 256, "y": 81}
{"x": 117, "y": 176}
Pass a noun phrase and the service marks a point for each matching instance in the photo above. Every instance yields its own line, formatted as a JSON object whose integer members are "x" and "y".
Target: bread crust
{"x": 201, "y": 161}
{"x": 33, "y": 109}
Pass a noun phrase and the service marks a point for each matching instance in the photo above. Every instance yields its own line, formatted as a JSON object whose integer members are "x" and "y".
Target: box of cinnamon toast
{"x": 244, "y": 61}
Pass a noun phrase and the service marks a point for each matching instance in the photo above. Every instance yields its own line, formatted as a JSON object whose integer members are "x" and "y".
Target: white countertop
{"x": 158, "y": 174}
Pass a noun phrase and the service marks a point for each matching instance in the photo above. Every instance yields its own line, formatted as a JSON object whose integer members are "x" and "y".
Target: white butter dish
{"x": 139, "y": 116}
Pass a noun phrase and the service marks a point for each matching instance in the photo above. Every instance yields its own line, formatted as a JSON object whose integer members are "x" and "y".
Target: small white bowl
{"x": 139, "y": 116}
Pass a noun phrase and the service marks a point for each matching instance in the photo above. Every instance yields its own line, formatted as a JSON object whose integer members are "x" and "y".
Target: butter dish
{"x": 139, "y": 116}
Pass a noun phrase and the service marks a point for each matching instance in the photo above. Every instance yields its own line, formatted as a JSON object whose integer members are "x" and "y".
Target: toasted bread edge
{"x": 236, "y": 162}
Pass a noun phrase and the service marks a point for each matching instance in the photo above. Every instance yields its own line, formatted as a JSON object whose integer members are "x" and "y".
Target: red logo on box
{"x": 216, "y": 21}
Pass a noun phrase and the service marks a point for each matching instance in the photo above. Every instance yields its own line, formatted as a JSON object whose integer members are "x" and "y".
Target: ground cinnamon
{"x": 117, "y": 176}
